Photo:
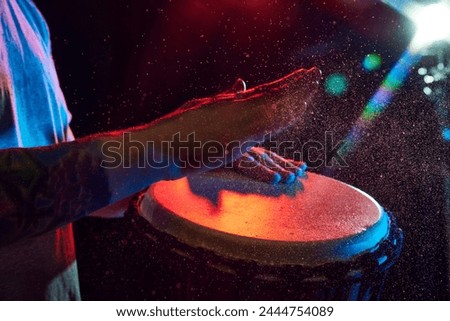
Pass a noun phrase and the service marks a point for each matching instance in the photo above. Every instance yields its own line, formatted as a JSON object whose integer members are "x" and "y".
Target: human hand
{"x": 267, "y": 166}
{"x": 235, "y": 120}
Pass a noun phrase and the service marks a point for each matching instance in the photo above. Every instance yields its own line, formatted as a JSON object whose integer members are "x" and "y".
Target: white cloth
{"x": 33, "y": 113}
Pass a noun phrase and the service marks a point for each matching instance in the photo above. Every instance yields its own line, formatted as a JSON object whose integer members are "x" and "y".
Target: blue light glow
{"x": 336, "y": 84}
{"x": 446, "y": 134}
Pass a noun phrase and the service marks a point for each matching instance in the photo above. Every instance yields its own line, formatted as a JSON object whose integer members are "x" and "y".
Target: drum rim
{"x": 244, "y": 247}
{"x": 367, "y": 269}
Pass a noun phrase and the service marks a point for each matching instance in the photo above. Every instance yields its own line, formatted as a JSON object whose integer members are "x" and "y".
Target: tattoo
{"x": 35, "y": 198}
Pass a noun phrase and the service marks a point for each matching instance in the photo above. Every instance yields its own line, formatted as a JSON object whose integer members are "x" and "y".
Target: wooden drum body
{"x": 222, "y": 236}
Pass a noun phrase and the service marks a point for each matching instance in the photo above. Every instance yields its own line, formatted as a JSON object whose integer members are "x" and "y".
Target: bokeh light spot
{"x": 422, "y": 71}
{"x": 336, "y": 84}
{"x": 372, "y": 62}
{"x": 427, "y": 91}
{"x": 446, "y": 134}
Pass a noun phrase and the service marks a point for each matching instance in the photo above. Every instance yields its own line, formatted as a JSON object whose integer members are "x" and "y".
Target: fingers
{"x": 296, "y": 167}
{"x": 267, "y": 166}
{"x": 248, "y": 166}
{"x": 260, "y": 155}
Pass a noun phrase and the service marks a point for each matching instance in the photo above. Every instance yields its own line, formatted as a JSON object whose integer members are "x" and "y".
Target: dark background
{"x": 124, "y": 63}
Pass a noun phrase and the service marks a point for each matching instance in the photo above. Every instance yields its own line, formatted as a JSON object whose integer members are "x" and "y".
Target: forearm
{"x": 44, "y": 188}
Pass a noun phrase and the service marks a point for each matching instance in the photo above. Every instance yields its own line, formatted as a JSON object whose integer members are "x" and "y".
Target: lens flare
{"x": 336, "y": 84}
{"x": 380, "y": 100}
{"x": 372, "y": 62}
{"x": 446, "y": 134}
{"x": 432, "y": 21}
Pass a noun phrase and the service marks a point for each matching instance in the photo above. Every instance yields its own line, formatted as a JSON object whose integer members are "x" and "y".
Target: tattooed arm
{"x": 43, "y": 188}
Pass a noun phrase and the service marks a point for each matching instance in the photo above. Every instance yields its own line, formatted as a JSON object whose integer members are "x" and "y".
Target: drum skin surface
{"x": 314, "y": 221}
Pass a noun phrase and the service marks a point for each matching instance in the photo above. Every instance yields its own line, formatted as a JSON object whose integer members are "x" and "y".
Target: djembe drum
{"x": 220, "y": 235}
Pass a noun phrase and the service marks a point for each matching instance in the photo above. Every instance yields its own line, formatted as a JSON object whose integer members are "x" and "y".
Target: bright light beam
{"x": 432, "y": 25}
{"x": 432, "y": 21}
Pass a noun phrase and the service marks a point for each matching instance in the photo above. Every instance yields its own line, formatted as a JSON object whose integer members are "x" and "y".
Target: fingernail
{"x": 315, "y": 72}
{"x": 276, "y": 178}
{"x": 290, "y": 178}
{"x": 239, "y": 86}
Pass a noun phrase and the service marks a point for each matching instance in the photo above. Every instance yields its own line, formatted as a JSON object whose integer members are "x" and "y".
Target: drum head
{"x": 314, "y": 221}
